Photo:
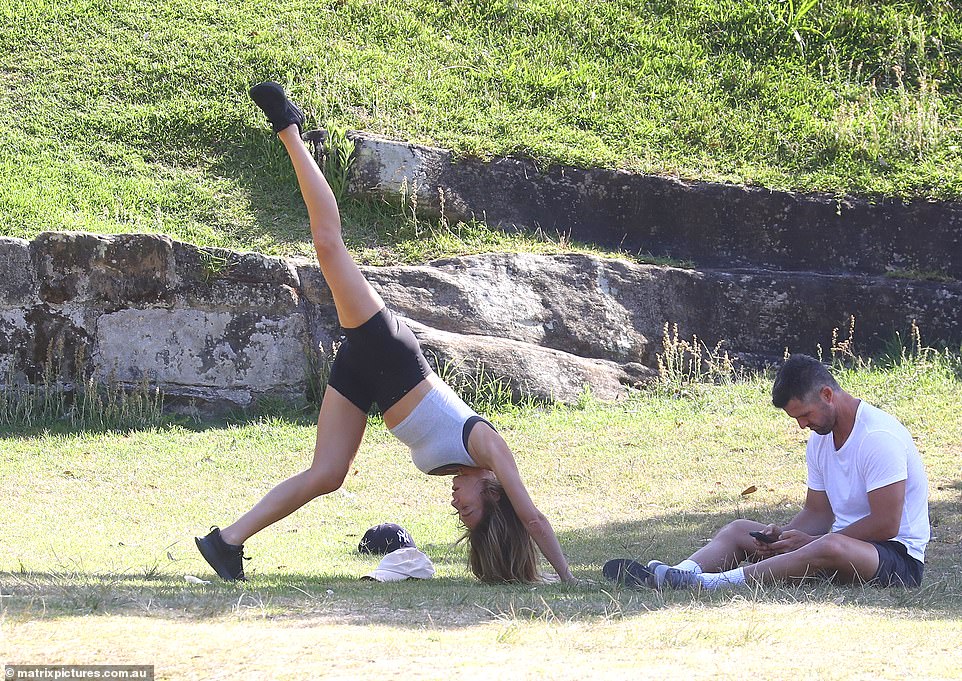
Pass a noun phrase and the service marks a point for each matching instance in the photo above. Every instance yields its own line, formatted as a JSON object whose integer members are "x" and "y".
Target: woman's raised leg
{"x": 355, "y": 300}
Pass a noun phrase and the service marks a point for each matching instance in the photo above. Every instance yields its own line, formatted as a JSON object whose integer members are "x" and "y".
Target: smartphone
{"x": 762, "y": 537}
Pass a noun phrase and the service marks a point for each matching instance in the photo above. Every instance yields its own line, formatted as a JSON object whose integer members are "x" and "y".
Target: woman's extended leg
{"x": 355, "y": 300}
{"x": 340, "y": 427}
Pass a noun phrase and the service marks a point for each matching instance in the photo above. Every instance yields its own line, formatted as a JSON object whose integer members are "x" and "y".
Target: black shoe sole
{"x": 281, "y": 112}
{"x": 213, "y": 559}
{"x": 629, "y": 573}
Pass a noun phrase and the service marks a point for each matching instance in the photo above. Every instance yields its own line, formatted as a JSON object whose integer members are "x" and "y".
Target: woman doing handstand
{"x": 380, "y": 361}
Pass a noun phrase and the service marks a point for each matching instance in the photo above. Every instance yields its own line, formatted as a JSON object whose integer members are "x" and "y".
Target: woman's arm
{"x": 489, "y": 450}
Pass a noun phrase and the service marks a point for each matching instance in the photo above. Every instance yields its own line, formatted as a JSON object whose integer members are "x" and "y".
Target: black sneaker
{"x": 629, "y": 573}
{"x": 280, "y": 111}
{"x": 226, "y": 559}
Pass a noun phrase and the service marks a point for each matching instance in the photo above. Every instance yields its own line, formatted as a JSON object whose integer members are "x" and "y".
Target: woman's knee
{"x": 321, "y": 482}
{"x": 327, "y": 239}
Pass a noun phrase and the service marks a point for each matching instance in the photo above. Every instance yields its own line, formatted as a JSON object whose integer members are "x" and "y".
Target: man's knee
{"x": 830, "y": 550}
{"x": 738, "y": 528}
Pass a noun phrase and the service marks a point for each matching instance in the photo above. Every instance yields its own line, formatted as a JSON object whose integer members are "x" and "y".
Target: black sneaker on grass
{"x": 226, "y": 559}
{"x": 629, "y": 573}
{"x": 280, "y": 111}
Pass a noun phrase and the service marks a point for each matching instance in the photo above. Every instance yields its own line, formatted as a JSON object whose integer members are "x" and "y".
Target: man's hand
{"x": 791, "y": 540}
{"x": 766, "y": 549}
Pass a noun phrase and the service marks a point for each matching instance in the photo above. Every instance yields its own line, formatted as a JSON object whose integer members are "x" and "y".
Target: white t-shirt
{"x": 879, "y": 452}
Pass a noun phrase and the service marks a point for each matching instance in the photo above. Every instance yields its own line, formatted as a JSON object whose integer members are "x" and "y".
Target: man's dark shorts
{"x": 895, "y": 566}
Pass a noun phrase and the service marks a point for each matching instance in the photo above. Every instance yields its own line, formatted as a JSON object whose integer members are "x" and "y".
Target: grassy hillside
{"x": 133, "y": 116}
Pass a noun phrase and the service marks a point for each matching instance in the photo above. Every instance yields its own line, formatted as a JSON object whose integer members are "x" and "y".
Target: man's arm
{"x": 885, "y": 514}
{"x": 816, "y": 516}
{"x": 814, "y": 520}
{"x": 881, "y": 524}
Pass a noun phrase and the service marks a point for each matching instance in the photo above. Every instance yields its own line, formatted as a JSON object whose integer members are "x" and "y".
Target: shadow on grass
{"x": 460, "y": 601}
{"x": 256, "y": 162}
{"x": 305, "y": 416}
{"x": 379, "y": 229}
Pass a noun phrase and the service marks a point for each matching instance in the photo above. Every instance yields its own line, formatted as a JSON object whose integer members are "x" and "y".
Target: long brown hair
{"x": 499, "y": 547}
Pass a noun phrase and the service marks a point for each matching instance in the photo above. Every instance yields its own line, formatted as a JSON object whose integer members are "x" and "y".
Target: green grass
{"x": 96, "y": 527}
{"x": 133, "y": 116}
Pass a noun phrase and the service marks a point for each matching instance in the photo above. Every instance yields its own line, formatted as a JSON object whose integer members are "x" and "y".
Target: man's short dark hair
{"x": 800, "y": 377}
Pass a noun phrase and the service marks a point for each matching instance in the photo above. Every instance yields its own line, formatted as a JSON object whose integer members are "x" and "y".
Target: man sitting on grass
{"x": 865, "y": 518}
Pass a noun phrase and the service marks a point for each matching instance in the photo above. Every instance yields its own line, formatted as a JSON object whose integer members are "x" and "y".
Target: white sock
{"x": 688, "y": 565}
{"x": 721, "y": 580}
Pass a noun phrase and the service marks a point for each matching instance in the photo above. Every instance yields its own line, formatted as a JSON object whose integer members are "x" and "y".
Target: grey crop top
{"x": 436, "y": 431}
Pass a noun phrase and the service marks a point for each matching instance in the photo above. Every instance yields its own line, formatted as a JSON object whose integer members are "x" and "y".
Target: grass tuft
{"x": 69, "y": 399}
{"x": 684, "y": 362}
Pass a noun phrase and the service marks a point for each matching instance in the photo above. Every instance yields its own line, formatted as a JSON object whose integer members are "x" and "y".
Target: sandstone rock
{"x": 201, "y": 265}
{"x": 18, "y": 281}
{"x": 109, "y": 271}
{"x": 568, "y": 303}
{"x": 715, "y": 225}
{"x": 18, "y": 293}
{"x": 530, "y": 370}
{"x": 266, "y": 298}
{"x": 763, "y": 313}
{"x": 516, "y": 315}
{"x": 189, "y": 349}
{"x": 225, "y": 328}
{"x": 16, "y": 346}
{"x": 59, "y": 343}
{"x": 219, "y": 279}
{"x": 609, "y": 309}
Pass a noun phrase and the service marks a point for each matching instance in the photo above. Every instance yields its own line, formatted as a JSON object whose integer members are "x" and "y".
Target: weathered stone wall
{"x": 713, "y": 225}
{"x": 226, "y": 327}
{"x": 205, "y": 323}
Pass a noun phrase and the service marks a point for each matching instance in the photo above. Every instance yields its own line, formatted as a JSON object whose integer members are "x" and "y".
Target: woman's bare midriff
{"x": 401, "y": 409}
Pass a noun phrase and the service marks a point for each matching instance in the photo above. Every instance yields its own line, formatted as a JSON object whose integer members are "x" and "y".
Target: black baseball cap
{"x": 384, "y": 538}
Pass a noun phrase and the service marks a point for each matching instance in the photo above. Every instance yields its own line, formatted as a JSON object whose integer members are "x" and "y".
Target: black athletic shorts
{"x": 379, "y": 361}
{"x": 895, "y": 566}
